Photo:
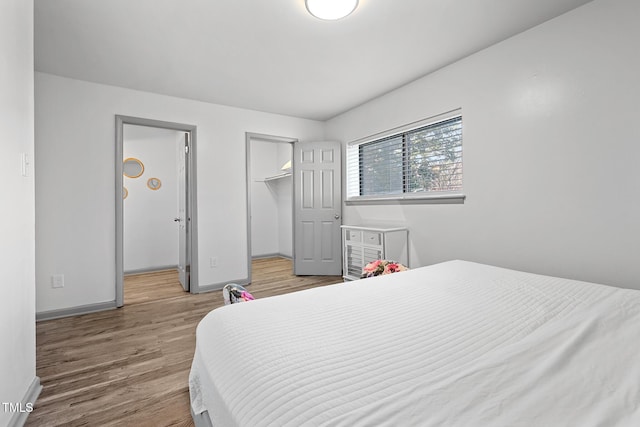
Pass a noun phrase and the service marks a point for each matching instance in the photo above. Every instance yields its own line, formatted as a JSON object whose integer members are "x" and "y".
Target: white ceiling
{"x": 271, "y": 55}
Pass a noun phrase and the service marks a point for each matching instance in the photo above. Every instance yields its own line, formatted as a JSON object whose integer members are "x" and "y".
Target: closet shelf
{"x": 274, "y": 177}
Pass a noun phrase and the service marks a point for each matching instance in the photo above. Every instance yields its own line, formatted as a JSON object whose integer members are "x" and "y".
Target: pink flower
{"x": 382, "y": 266}
{"x": 390, "y": 268}
{"x": 372, "y": 266}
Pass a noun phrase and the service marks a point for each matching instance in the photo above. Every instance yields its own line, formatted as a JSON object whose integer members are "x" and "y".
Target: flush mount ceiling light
{"x": 331, "y": 9}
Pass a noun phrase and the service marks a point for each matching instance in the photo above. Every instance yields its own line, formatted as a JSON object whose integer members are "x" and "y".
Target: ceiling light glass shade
{"x": 331, "y": 9}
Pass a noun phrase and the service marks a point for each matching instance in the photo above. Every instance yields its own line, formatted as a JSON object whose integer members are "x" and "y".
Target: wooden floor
{"x": 130, "y": 366}
{"x": 153, "y": 286}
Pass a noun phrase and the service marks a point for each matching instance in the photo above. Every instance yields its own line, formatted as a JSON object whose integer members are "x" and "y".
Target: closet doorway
{"x": 269, "y": 197}
{"x": 155, "y": 201}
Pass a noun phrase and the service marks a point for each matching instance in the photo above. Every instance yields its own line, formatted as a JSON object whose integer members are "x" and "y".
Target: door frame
{"x": 192, "y": 234}
{"x": 249, "y": 136}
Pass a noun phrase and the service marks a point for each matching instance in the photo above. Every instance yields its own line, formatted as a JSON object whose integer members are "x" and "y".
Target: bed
{"x": 453, "y": 344}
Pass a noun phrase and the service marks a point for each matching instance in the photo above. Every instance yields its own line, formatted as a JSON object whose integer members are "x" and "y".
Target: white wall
{"x": 551, "y": 146}
{"x": 150, "y": 233}
{"x": 17, "y": 257}
{"x": 76, "y": 222}
{"x": 271, "y": 209}
{"x": 264, "y": 206}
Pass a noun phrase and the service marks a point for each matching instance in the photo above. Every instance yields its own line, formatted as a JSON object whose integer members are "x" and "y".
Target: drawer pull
{"x": 354, "y": 236}
{"x": 372, "y": 238}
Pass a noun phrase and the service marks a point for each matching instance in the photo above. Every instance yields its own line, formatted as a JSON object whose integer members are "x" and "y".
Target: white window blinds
{"x": 421, "y": 161}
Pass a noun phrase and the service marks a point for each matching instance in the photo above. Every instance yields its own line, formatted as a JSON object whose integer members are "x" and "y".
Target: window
{"x": 421, "y": 162}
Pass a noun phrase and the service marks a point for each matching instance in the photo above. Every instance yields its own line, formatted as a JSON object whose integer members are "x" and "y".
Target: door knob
{"x": 336, "y": 216}
{"x": 177, "y": 219}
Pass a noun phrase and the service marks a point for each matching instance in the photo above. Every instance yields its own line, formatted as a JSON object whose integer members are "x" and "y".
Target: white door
{"x": 317, "y": 208}
{"x": 183, "y": 213}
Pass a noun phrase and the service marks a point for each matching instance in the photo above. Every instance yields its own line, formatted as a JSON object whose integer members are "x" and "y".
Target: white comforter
{"x": 454, "y": 344}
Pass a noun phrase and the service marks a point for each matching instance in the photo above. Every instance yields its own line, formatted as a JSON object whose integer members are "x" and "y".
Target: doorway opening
{"x": 270, "y": 227}
{"x": 155, "y": 206}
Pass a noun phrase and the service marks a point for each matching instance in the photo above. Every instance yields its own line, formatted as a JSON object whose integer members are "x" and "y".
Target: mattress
{"x": 455, "y": 344}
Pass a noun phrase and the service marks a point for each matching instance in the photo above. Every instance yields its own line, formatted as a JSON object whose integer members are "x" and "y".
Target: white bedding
{"x": 454, "y": 344}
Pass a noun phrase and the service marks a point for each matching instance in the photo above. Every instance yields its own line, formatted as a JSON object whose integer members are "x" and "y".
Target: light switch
{"x": 25, "y": 164}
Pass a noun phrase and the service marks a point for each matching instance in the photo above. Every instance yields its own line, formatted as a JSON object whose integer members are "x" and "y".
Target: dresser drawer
{"x": 372, "y": 238}
{"x": 353, "y": 235}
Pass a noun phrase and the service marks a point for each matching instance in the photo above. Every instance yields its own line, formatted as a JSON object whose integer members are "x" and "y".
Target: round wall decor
{"x": 154, "y": 183}
{"x": 132, "y": 167}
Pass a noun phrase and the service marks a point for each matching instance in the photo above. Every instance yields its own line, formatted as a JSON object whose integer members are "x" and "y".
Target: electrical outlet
{"x": 213, "y": 262}
{"x": 57, "y": 281}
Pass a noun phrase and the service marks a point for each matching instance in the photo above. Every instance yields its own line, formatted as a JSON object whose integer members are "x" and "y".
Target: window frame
{"x": 422, "y": 197}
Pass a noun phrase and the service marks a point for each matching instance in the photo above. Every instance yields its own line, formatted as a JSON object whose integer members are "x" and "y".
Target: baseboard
{"x": 219, "y": 286}
{"x": 19, "y": 418}
{"x": 275, "y": 255}
{"x": 151, "y": 269}
{"x": 75, "y": 311}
